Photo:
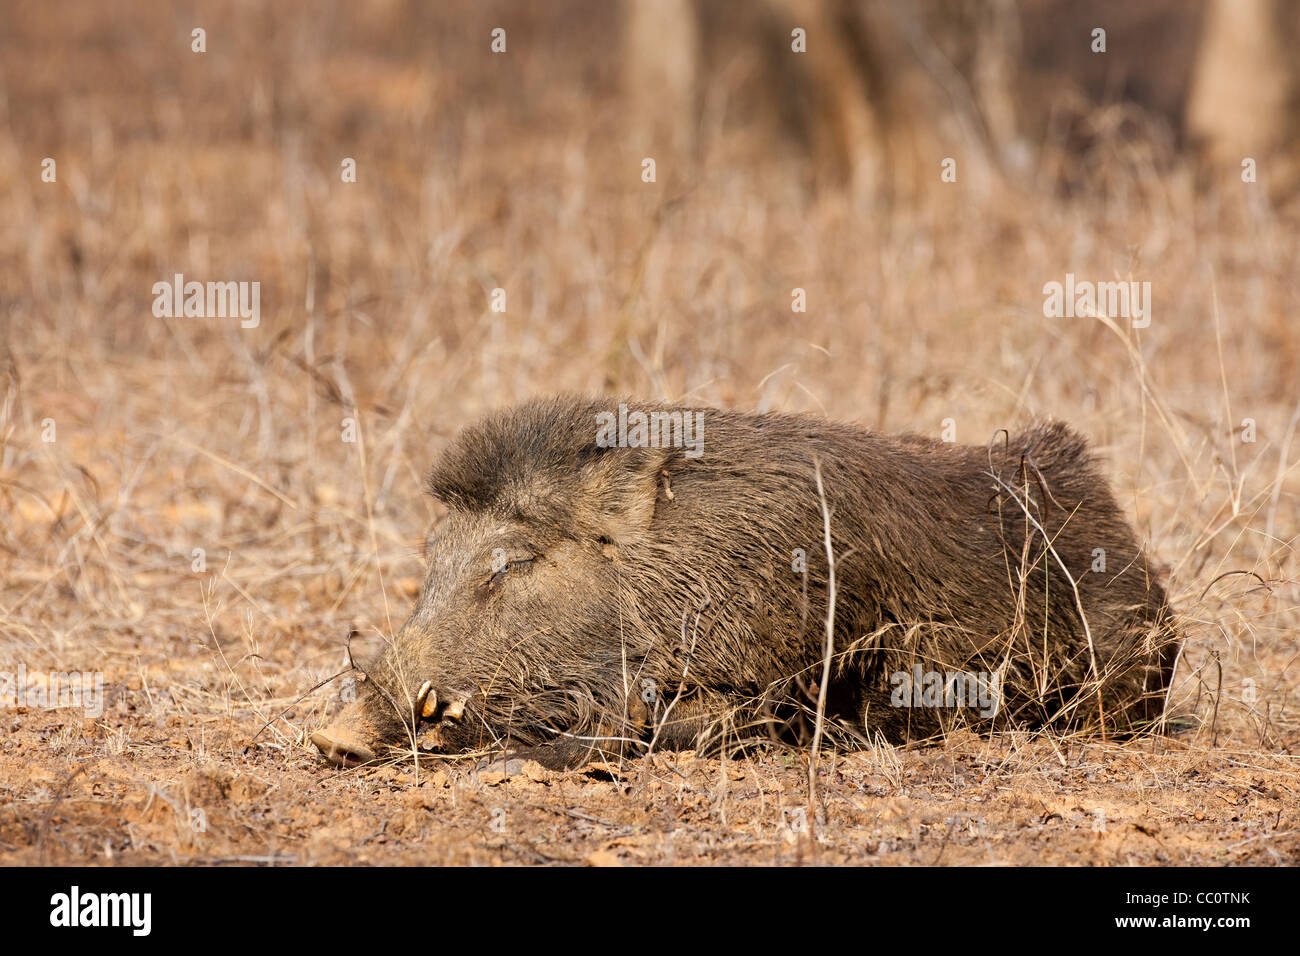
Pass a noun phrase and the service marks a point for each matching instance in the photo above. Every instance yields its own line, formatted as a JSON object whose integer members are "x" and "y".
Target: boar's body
{"x": 582, "y": 597}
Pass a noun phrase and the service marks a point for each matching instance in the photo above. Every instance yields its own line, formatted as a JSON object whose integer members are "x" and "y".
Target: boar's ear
{"x": 624, "y": 487}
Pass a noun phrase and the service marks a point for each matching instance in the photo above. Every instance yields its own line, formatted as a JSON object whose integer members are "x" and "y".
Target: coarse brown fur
{"x": 583, "y": 598}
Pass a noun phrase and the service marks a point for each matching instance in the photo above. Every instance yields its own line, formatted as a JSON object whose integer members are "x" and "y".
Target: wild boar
{"x": 614, "y": 576}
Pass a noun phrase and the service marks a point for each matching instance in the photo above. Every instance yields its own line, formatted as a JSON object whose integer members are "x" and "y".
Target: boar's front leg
{"x": 563, "y": 754}
{"x": 692, "y": 720}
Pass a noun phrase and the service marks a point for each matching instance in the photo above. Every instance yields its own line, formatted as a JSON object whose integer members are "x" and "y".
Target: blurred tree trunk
{"x": 1243, "y": 99}
{"x": 888, "y": 89}
{"x": 661, "y": 59}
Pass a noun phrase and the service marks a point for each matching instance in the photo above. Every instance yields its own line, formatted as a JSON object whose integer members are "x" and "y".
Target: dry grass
{"x": 478, "y": 173}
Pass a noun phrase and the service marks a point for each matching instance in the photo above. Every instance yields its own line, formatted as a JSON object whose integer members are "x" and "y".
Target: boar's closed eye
{"x": 510, "y": 567}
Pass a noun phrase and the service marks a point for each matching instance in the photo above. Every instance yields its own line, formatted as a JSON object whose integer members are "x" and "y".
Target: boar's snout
{"x": 341, "y": 743}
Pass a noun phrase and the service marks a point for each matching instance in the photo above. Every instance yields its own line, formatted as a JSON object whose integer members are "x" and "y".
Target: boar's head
{"x": 518, "y": 637}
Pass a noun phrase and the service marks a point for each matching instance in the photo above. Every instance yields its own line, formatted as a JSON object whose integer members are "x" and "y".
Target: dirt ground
{"x": 181, "y": 512}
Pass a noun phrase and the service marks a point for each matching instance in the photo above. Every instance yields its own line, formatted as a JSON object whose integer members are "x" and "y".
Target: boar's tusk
{"x": 426, "y": 701}
{"x": 455, "y": 710}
